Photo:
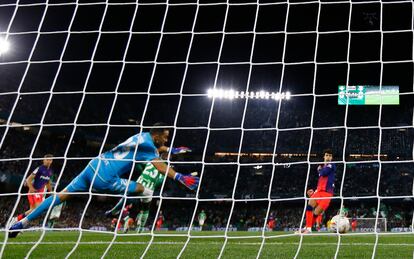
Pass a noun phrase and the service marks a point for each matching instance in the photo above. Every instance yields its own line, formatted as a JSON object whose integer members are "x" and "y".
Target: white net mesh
{"x": 79, "y": 77}
{"x": 368, "y": 224}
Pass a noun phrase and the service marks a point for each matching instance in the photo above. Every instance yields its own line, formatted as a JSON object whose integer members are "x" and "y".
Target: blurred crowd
{"x": 245, "y": 215}
{"x": 254, "y": 176}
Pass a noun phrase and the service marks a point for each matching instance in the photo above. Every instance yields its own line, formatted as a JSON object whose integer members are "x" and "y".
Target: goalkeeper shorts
{"x": 112, "y": 184}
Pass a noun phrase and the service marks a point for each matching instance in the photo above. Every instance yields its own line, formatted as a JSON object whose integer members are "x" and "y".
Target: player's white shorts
{"x": 146, "y": 200}
{"x": 56, "y": 211}
{"x": 147, "y": 192}
{"x": 201, "y": 222}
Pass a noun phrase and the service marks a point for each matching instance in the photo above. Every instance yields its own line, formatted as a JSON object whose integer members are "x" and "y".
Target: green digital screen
{"x": 368, "y": 95}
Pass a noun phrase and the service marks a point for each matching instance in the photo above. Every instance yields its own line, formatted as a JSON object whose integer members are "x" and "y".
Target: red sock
{"x": 309, "y": 219}
{"x": 319, "y": 219}
{"x": 21, "y": 216}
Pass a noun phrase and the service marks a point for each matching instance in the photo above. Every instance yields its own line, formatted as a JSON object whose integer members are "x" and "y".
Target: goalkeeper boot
{"x": 15, "y": 229}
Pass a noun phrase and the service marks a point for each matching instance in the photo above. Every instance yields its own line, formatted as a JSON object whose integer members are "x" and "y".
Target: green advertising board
{"x": 368, "y": 95}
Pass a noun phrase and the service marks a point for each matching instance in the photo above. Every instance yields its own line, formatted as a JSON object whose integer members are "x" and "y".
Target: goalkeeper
{"x": 104, "y": 172}
{"x": 150, "y": 178}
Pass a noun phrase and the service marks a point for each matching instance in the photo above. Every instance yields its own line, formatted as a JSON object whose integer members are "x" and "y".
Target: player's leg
{"x": 51, "y": 201}
{"x": 51, "y": 223}
{"x": 42, "y": 208}
{"x": 116, "y": 209}
{"x": 201, "y": 223}
{"x": 27, "y": 212}
{"x": 318, "y": 221}
{"x": 34, "y": 200}
{"x": 143, "y": 214}
{"x": 119, "y": 206}
{"x": 120, "y": 185}
{"x": 139, "y": 219}
{"x": 309, "y": 218}
{"x": 314, "y": 209}
{"x": 128, "y": 222}
{"x": 134, "y": 188}
{"x": 319, "y": 210}
{"x": 80, "y": 183}
{"x": 57, "y": 199}
{"x": 310, "y": 212}
{"x": 321, "y": 206}
{"x": 33, "y": 203}
{"x": 354, "y": 225}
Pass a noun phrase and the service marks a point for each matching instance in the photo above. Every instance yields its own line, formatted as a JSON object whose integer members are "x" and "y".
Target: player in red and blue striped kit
{"x": 325, "y": 190}
{"x": 38, "y": 180}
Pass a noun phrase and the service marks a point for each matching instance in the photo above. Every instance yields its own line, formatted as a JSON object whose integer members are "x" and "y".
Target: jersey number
{"x": 123, "y": 149}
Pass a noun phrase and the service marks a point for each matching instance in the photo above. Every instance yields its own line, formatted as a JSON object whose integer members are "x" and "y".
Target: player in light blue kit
{"x": 110, "y": 166}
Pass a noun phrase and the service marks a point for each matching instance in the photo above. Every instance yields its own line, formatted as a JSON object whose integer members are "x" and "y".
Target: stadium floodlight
{"x": 4, "y": 46}
{"x": 287, "y": 96}
{"x": 231, "y": 94}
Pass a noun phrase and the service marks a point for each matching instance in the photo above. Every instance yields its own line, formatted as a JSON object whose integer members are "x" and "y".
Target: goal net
{"x": 368, "y": 224}
{"x": 255, "y": 89}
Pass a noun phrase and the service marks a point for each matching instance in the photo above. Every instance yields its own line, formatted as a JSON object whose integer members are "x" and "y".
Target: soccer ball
{"x": 340, "y": 224}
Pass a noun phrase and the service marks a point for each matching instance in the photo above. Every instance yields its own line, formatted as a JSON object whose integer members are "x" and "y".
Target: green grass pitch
{"x": 57, "y": 244}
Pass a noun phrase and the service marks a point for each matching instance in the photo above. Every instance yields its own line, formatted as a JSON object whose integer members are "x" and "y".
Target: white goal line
{"x": 203, "y": 243}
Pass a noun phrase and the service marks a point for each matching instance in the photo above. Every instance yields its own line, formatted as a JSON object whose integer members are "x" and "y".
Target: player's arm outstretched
{"x": 159, "y": 135}
{"x": 174, "y": 150}
{"x": 189, "y": 181}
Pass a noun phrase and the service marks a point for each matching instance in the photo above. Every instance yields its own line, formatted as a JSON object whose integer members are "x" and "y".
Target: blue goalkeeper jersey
{"x": 119, "y": 160}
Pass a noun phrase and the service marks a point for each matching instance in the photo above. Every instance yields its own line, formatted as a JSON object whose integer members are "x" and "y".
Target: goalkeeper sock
{"x": 43, "y": 207}
{"x": 21, "y": 216}
{"x": 309, "y": 217}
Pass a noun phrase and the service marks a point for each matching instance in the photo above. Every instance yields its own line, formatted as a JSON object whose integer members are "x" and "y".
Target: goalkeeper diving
{"x": 104, "y": 172}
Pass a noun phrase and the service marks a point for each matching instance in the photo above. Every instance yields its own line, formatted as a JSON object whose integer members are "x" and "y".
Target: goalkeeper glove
{"x": 180, "y": 150}
{"x": 189, "y": 181}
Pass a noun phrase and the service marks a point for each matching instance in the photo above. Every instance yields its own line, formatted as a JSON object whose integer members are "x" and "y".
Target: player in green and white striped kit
{"x": 201, "y": 219}
{"x": 151, "y": 179}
